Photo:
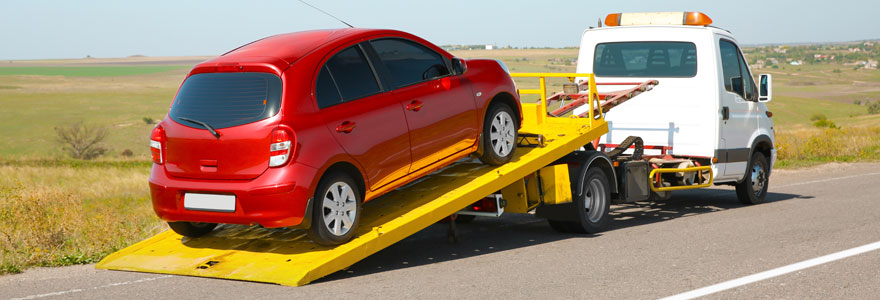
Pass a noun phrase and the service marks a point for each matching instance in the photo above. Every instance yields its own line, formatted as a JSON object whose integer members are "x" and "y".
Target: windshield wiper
{"x": 211, "y": 129}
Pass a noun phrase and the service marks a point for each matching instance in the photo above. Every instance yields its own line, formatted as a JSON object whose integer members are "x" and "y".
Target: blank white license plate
{"x": 209, "y": 202}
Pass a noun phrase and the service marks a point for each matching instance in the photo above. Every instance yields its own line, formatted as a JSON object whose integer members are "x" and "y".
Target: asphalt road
{"x": 697, "y": 239}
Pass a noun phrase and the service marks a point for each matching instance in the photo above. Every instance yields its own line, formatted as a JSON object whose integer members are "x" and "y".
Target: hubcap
{"x": 758, "y": 179}
{"x": 502, "y": 133}
{"x": 340, "y": 208}
{"x": 594, "y": 201}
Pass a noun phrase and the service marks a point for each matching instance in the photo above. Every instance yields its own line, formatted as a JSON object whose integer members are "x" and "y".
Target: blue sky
{"x": 72, "y": 29}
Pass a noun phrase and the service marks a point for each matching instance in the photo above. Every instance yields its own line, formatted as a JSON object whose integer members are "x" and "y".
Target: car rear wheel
{"x": 336, "y": 211}
{"x": 499, "y": 135}
{"x": 192, "y": 229}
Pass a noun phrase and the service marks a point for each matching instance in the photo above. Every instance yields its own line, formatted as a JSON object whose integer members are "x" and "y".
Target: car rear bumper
{"x": 278, "y": 198}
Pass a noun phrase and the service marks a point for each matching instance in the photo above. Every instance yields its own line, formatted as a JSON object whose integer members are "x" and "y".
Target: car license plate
{"x": 209, "y": 202}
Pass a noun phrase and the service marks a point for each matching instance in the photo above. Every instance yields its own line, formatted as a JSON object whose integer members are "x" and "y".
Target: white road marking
{"x": 775, "y": 272}
{"x": 824, "y": 180}
{"x": 92, "y": 288}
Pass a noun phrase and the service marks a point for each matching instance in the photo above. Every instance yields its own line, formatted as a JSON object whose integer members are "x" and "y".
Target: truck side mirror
{"x": 765, "y": 88}
{"x": 458, "y": 66}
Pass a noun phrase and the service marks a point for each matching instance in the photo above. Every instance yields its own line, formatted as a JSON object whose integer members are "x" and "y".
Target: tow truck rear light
{"x": 658, "y": 18}
{"x": 279, "y": 149}
{"x": 157, "y": 143}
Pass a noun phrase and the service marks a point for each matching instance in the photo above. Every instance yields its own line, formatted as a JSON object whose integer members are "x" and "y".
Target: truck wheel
{"x": 499, "y": 135}
{"x": 336, "y": 211}
{"x": 192, "y": 229}
{"x": 594, "y": 203}
{"x": 753, "y": 189}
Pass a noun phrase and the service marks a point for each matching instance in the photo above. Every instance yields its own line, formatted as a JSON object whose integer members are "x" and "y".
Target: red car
{"x": 299, "y": 129}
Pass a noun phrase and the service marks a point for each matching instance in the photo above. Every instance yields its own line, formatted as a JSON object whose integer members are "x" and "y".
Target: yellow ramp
{"x": 288, "y": 257}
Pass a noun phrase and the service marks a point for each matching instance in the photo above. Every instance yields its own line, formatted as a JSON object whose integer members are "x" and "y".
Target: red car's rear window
{"x": 227, "y": 99}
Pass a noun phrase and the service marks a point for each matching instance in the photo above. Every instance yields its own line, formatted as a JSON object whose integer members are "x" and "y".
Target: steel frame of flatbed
{"x": 288, "y": 257}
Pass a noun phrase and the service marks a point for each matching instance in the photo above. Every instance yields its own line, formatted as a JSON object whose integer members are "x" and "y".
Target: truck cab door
{"x": 738, "y": 111}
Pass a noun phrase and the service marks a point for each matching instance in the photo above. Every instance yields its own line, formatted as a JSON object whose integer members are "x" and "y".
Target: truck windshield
{"x": 227, "y": 99}
{"x": 646, "y": 59}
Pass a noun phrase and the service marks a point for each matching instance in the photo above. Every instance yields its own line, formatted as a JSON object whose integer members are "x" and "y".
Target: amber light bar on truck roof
{"x": 658, "y": 18}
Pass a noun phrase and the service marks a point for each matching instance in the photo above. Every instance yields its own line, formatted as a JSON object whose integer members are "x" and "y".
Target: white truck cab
{"x": 707, "y": 109}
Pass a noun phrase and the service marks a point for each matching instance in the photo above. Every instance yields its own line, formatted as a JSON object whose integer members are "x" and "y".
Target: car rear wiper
{"x": 211, "y": 129}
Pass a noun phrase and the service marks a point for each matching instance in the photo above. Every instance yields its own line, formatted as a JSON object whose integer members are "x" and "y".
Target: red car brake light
{"x": 279, "y": 149}
{"x": 157, "y": 143}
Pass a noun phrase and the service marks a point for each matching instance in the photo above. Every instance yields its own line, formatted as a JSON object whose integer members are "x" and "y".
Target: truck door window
{"x": 748, "y": 81}
{"x": 646, "y": 59}
{"x": 730, "y": 65}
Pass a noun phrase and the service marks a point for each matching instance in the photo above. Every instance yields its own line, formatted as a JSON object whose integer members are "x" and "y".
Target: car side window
{"x": 730, "y": 65}
{"x": 409, "y": 62}
{"x": 352, "y": 74}
{"x": 326, "y": 92}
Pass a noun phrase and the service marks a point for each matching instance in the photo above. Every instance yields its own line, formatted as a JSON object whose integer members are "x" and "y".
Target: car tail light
{"x": 157, "y": 143}
{"x": 279, "y": 149}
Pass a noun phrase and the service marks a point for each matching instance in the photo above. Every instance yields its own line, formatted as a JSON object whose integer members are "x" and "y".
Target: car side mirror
{"x": 765, "y": 88}
{"x": 459, "y": 66}
{"x": 736, "y": 83}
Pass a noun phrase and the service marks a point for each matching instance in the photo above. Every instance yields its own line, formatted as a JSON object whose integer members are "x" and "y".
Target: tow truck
{"x": 561, "y": 172}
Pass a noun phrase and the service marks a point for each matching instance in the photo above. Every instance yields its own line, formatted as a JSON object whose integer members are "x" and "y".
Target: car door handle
{"x": 346, "y": 127}
{"x": 725, "y": 113}
{"x": 415, "y": 105}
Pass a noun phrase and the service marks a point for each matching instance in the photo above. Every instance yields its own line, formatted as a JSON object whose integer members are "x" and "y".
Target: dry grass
{"x": 61, "y": 214}
{"x": 810, "y": 146}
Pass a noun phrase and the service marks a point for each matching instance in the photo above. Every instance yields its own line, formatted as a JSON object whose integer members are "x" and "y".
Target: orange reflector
{"x": 769, "y": 114}
{"x": 697, "y": 18}
{"x": 612, "y": 20}
{"x": 616, "y": 163}
{"x": 714, "y": 160}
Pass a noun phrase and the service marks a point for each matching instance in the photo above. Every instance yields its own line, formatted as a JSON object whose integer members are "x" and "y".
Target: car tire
{"x": 499, "y": 135}
{"x": 192, "y": 229}
{"x": 336, "y": 211}
{"x": 753, "y": 188}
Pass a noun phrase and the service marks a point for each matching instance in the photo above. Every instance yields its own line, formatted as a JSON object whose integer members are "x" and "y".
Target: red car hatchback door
{"x": 368, "y": 123}
{"x": 241, "y": 108}
{"x": 440, "y": 109}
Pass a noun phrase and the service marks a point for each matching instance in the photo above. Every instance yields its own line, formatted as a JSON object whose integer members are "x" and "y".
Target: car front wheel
{"x": 499, "y": 135}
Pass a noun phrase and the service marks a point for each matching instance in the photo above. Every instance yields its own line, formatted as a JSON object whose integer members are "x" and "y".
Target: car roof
{"x": 277, "y": 52}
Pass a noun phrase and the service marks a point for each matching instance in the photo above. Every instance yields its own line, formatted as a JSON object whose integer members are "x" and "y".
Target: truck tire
{"x": 336, "y": 211}
{"x": 594, "y": 202}
{"x": 192, "y": 229}
{"x": 592, "y": 205}
{"x": 753, "y": 188}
